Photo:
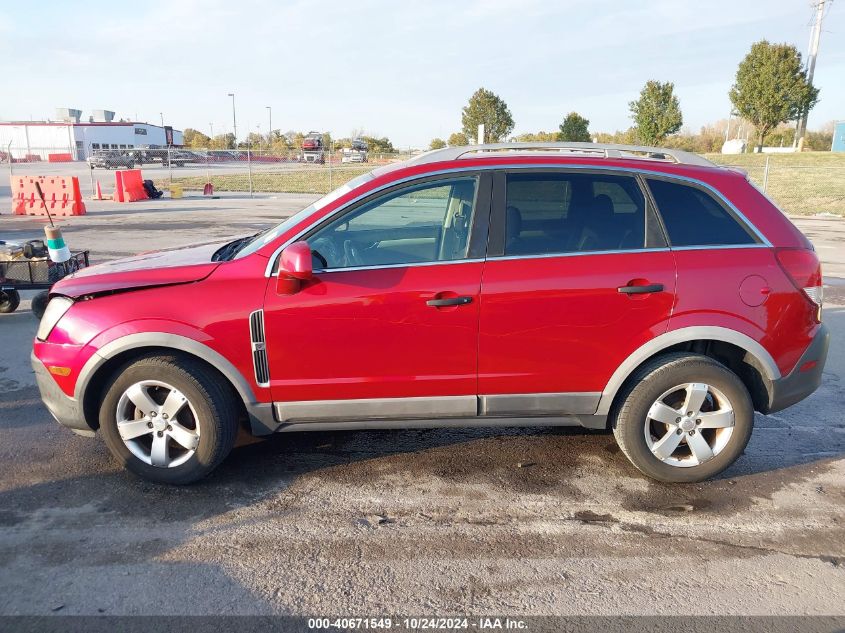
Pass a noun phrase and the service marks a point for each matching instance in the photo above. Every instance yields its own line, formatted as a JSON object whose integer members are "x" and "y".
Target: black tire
{"x": 211, "y": 397}
{"x": 9, "y": 301}
{"x": 39, "y": 304}
{"x": 659, "y": 375}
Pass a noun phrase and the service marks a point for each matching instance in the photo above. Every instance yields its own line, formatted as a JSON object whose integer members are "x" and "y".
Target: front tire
{"x": 170, "y": 419}
{"x": 683, "y": 418}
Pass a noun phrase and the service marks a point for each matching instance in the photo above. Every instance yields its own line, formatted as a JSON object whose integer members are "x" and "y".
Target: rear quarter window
{"x": 694, "y": 217}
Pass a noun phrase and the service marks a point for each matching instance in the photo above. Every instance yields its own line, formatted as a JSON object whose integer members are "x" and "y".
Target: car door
{"x": 388, "y": 327}
{"x": 578, "y": 276}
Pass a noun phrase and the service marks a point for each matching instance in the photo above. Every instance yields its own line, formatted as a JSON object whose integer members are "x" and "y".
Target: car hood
{"x": 155, "y": 268}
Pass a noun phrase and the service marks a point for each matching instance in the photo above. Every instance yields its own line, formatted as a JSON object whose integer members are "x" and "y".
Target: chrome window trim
{"x": 498, "y": 258}
{"x": 268, "y": 270}
{"x": 323, "y": 271}
{"x": 710, "y": 247}
{"x": 661, "y": 249}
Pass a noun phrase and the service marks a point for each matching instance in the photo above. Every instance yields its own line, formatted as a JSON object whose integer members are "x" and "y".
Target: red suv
{"x": 639, "y": 289}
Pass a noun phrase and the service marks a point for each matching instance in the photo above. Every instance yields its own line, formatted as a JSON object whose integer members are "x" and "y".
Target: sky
{"x": 398, "y": 69}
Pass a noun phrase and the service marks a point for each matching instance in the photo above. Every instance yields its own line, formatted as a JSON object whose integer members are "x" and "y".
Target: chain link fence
{"x": 259, "y": 171}
{"x": 809, "y": 183}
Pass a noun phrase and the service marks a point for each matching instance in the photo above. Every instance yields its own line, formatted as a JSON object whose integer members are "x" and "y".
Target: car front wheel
{"x": 683, "y": 418}
{"x": 169, "y": 419}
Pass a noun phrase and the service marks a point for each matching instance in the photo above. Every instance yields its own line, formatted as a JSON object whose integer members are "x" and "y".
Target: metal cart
{"x": 34, "y": 274}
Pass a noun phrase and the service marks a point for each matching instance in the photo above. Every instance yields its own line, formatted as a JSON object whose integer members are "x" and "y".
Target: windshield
{"x": 265, "y": 237}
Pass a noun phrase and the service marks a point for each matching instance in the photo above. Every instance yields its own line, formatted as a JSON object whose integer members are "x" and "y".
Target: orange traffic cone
{"x": 98, "y": 194}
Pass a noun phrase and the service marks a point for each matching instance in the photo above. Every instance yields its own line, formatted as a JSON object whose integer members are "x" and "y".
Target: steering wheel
{"x": 351, "y": 253}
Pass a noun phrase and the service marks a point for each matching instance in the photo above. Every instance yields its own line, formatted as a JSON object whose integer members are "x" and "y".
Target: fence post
{"x": 766, "y": 174}
{"x": 91, "y": 171}
{"x": 249, "y": 167}
{"x": 9, "y": 154}
{"x": 170, "y": 164}
{"x": 331, "y": 148}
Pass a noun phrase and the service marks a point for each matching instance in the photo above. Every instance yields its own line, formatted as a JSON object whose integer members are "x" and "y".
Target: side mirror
{"x": 294, "y": 268}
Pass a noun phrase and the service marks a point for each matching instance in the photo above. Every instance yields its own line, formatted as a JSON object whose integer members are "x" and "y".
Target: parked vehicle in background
{"x": 355, "y": 154}
{"x": 313, "y": 150}
{"x": 111, "y": 159}
{"x": 642, "y": 290}
{"x": 178, "y": 157}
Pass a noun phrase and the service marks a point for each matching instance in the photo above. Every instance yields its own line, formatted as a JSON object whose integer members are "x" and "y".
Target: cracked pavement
{"x": 522, "y": 521}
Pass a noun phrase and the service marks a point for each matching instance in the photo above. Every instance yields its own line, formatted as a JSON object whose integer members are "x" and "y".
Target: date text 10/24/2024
{"x": 419, "y": 624}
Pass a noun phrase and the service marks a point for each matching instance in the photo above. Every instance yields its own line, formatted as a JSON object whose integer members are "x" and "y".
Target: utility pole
{"x": 270, "y": 132}
{"x": 234, "y": 120}
{"x": 813, "y": 51}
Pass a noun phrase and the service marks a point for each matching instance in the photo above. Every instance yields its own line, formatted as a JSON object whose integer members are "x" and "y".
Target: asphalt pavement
{"x": 519, "y": 521}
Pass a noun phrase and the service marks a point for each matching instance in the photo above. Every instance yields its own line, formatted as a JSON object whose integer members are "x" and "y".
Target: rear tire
{"x": 655, "y": 433}
{"x": 9, "y": 301}
{"x": 192, "y": 441}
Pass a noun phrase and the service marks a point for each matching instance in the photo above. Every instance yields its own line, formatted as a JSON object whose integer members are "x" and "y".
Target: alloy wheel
{"x": 158, "y": 424}
{"x": 689, "y": 424}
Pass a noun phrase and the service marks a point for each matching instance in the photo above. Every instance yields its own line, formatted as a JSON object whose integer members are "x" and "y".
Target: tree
{"x": 437, "y": 143}
{"x": 223, "y": 141}
{"x": 487, "y": 108}
{"x": 457, "y": 139}
{"x": 195, "y": 138}
{"x": 657, "y": 113}
{"x": 574, "y": 128}
{"x": 379, "y": 145}
{"x": 537, "y": 137}
{"x": 254, "y": 141}
{"x": 771, "y": 87}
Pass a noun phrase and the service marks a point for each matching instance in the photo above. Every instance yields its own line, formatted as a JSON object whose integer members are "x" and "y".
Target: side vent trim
{"x": 259, "y": 348}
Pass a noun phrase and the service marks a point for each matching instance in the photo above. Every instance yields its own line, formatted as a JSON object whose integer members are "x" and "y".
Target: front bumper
{"x": 797, "y": 385}
{"x": 66, "y": 410}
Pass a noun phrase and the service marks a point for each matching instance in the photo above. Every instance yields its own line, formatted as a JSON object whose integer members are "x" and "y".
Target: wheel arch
{"x": 739, "y": 352}
{"x": 102, "y": 365}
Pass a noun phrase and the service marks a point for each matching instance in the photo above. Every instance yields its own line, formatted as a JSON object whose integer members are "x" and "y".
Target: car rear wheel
{"x": 169, "y": 419}
{"x": 683, "y": 418}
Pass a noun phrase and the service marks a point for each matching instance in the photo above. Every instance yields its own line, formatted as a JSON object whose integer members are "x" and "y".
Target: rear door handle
{"x": 451, "y": 301}
{"x": 640, "y": 290}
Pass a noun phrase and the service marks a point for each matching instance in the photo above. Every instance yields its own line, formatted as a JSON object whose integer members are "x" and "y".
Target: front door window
{"x": 424, "y": 223}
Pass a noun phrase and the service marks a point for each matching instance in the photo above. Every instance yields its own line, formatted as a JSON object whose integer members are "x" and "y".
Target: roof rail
{"x": 603, "y": 150}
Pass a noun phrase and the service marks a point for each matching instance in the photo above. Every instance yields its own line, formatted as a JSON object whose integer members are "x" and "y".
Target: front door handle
{"x": 640, "y": 290}
{"x": 451, "y": 301}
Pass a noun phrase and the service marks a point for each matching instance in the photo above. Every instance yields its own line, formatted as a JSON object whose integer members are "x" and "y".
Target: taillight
{"x": 802, "y": 266}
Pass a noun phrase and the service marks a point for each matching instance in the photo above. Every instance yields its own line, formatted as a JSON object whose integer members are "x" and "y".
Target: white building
{"x": 37, "y": 140}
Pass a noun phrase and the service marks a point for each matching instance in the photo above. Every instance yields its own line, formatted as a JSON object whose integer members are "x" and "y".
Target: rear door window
{"x": 551, "y": 213}
{"x": 693, "y": 217}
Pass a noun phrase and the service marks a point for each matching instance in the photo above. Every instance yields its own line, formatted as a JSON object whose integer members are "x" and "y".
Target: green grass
{"x": 801, "y": 184}
{"x": 315, "y": 180}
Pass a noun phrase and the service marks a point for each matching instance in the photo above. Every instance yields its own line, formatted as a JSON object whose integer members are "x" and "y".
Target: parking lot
{"x": 522, "y": 521}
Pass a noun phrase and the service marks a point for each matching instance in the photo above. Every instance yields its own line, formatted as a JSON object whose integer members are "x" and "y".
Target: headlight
{"x": 55, "y": 310}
